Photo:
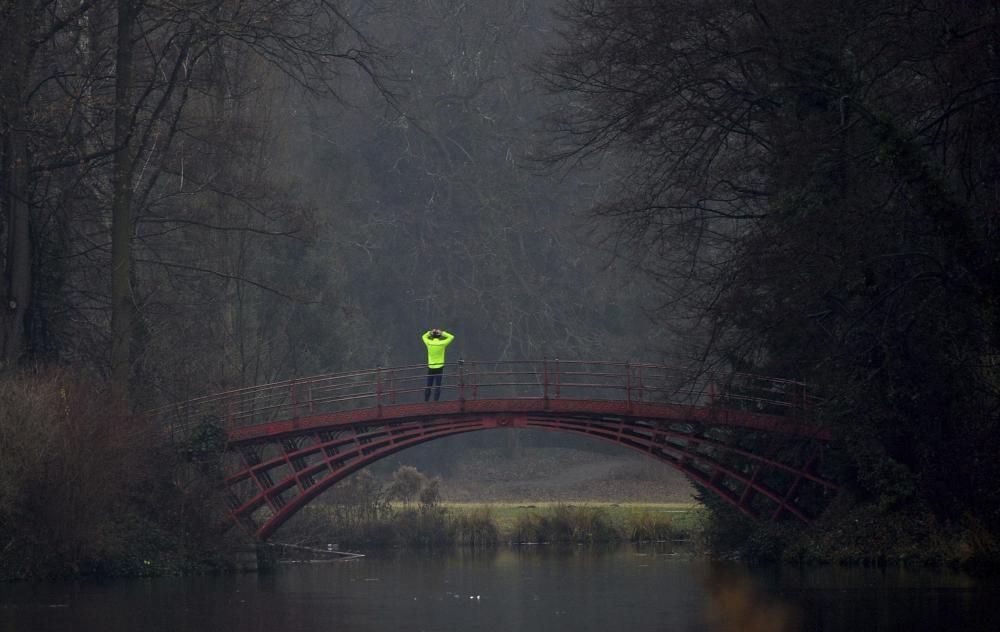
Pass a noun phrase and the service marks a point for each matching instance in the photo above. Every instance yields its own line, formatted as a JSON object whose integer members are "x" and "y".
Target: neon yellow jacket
{"x": 435, "y": 348}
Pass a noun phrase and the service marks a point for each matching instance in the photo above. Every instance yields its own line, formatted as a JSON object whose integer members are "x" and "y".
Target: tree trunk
{"x": 121, "y": 211}
{"x": 16, "y": 290}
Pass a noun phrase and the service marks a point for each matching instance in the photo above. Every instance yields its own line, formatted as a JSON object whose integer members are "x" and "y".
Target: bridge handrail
{"x": 471, "y": 380}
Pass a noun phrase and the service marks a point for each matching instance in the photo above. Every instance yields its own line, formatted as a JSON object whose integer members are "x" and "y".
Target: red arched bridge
{"x": 747, "y": 439}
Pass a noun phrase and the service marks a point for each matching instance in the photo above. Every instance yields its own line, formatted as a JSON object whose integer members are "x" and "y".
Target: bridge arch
{"x": 289, "y": 442}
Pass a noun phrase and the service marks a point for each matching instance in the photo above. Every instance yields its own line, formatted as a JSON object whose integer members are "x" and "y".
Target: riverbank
{"x": 410, "y": 510}
{"x": 876, "y": 540}
{"x": 83, "y": 493}
{"x": 641, "y": 588}
{"x": 492, "y": 524}
{"x": 635, "y": 522}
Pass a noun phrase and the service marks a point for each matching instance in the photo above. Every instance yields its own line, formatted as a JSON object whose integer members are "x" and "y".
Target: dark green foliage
{"x": 205, "y": 444}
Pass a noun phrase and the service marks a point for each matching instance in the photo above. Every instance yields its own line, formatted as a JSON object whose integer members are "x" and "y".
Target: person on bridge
{"x": 436, "y": 340}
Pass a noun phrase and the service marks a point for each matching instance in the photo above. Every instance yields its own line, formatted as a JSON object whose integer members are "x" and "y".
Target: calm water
{"x": 531, "y": 589}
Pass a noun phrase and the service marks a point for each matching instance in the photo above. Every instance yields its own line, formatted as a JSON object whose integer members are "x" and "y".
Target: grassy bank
{"x": 618, "y": 521}
{"x": 490, "y": 524}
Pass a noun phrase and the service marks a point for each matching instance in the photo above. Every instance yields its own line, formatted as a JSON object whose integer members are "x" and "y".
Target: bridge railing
{"x": 480, "y": 380}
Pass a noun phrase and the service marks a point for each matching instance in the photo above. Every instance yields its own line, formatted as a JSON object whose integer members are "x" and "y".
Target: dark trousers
{"x": 433, "y": 379}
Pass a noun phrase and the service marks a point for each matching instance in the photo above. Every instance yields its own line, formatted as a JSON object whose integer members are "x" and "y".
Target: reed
{"x": 477, "y": 528}
{"x": 646, "y": 526}
{"x": 487, "y": 525}
{"x": 565, "y": 523}
{"x": 426, "y": 526}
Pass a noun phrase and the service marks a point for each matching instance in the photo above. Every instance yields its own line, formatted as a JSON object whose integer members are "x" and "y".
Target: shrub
{"x": 64, "y": 469}
{"x": 407, "y": 481}
{"x": 85, "y": 492}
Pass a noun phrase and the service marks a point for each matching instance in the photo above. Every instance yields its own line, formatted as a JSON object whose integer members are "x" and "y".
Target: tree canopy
{"x": 816, "y": 185}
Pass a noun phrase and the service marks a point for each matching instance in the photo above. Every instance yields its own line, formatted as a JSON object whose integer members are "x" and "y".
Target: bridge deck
{"x": 613, "y": 388}
{"x": 289, "y": 441}
{"x": 517, "y": 408}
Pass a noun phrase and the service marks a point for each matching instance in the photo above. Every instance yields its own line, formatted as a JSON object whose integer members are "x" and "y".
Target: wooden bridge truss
{"x": 747, "y": 439}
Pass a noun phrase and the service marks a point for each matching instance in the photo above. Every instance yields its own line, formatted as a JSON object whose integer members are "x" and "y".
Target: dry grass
{"x": 631, "y": 521}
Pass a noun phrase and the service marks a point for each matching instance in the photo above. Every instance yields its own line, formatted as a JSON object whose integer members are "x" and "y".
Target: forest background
{"x": 204, "y": 195}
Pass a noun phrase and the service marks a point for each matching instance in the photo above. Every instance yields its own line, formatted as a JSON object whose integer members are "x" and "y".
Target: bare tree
{"x": 98, "y": 136}
{"x": 806, "y": 180}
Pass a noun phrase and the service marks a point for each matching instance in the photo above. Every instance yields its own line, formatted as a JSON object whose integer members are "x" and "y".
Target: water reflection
{"x": 736, "y": 602}
{"x": 528, "y": 588}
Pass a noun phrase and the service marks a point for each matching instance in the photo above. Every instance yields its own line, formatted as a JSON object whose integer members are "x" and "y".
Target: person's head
{"x": 435, "y": 333}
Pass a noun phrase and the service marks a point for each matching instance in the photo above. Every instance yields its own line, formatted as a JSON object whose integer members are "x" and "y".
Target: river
{"x": 548, "y": 589}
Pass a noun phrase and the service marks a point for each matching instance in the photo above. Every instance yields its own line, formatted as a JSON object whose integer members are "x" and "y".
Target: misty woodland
{"x": 204, "y": 195}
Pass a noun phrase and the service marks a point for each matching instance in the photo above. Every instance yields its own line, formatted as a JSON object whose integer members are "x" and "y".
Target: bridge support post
{"x": 545, "y": 382}
{"x": 628, "y": 385}
{"x": 642, "y": 385}
{"x": 558, "y": 383}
